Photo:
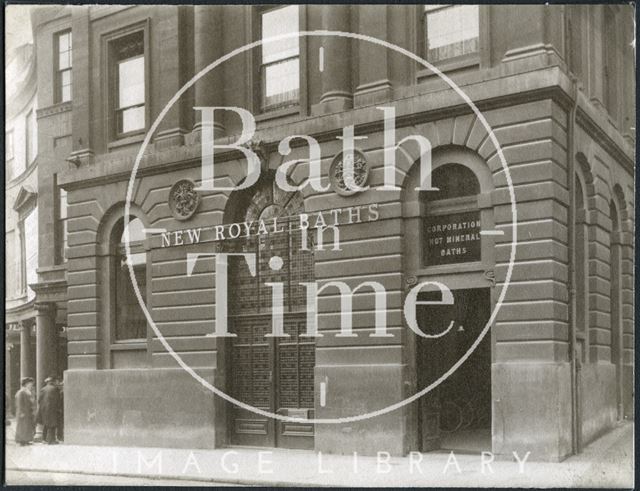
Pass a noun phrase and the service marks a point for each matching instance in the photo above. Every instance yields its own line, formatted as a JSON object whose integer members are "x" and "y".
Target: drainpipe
{"x": 573, "y": 356}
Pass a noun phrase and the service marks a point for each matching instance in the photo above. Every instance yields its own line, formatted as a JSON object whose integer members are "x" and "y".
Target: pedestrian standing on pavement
{"x": 25, "y": 412}
{"x": 48, "y": 410}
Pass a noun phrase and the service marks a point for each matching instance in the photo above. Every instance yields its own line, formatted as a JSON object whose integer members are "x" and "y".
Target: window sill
{"x": 460, "y": 268}
{"x": 278, "y": 113}
{"x": 126, "y": 140}
{"x": 54, "y": 268}
{"x": 453, "y": 64}
{"x": 55, "y": 108}
{"x": 129, "y": 345}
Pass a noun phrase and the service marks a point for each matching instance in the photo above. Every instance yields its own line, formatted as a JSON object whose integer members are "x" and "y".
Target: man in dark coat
{"x": 25, "y": 405}
{"x": 48, "y": 410}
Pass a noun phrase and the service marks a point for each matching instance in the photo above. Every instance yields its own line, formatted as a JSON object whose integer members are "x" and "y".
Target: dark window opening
{"x": 130, "y": 321}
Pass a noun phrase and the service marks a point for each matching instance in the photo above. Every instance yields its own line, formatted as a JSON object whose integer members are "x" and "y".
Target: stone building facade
{"x": 555, "y": 83}
{"x": 21, "y": 219}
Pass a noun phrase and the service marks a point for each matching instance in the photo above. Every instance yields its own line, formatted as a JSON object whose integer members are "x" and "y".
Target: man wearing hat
{"x": 48, "y": 409}
{"x": 25, "y": 425}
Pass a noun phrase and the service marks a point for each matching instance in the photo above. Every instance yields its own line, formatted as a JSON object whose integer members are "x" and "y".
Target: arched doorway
{"x": 271, "y": 373}
{"x": 444, "y": 245}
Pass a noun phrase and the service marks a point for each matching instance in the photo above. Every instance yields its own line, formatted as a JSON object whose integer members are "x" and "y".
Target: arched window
{"x": 130, "y": 323}
{"x": 451, "y": 218}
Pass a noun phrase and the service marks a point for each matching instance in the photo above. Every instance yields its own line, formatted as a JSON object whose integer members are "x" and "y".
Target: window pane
{"x": 12, "y": 267}
{"x": 63, "y": 203}
{"x": 62, "y": 224}
{"x": 65, "y": 83}
{"x": 281, "y": 83}
{"x": 32, "y": 136}
{"x": 453, "y": 181}
{"x": 278, "y": 22}
{"x": 65, "y": 94}
{"x": 31, "y": 250}
{"x": 131, "y": 82}
{"x": 64, "y": 60}
{"x": 131, "y": 119}
{"x": 65, "y": 78}
{"x": 452, "y": 31}
{"x": 130, "y": 320}
{"x": 8, "y": 138}
{"x": 65, "y": 42}
{"x": 64, "y": 51}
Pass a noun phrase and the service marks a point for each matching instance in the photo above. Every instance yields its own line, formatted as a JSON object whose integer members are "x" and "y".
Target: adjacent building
{"x": 21, "y": 218}
{"x": 555, "y": 83}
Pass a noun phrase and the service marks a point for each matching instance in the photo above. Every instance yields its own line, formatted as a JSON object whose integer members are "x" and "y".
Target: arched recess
{"x": 618, "y": 214}
{"x": 125, "y": 337}
{"x": 272, "y": 373}
{"x": 585, "y": 202}
{"x": 622, "y": 252}
{"x": 443, "y": 244}
{"x": 581, "y": 264}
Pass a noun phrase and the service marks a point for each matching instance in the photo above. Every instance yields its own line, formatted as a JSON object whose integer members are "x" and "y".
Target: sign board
{"x": 452, "y": 238}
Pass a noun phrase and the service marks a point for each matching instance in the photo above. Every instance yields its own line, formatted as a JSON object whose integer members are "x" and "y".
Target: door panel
{"x": 275, "y": 375}
{"x": 251, "y": 381}
{"x": 295, "y": 364}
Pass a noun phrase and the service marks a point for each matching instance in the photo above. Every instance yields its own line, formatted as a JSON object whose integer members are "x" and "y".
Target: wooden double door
{"x": 275, "y": 375}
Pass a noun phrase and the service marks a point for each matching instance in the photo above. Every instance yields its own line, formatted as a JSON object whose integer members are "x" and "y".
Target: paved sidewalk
{"x": 607, "y": 462}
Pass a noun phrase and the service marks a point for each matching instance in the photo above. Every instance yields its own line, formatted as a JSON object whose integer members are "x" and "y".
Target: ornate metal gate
{"x": 274, "y": 374}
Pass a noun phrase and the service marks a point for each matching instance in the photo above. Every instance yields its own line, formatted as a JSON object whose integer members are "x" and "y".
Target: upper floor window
{"x": 451, "y": 218}
{"x": 611, "y": 71}
{"x": 31, "y": 136}
{"x": 280, "y": 60}
{"x": 129, "y": 88}
{"x": 451, "y": 31}
{"x": 63, "y": 62}
{"x": 61, "y": 226}
{"x": 8, "y": 142}
{"x": 30, "y": 251}
{"x": 8, "y": 155}
{"x": 13, "y": 256}
{"x": 130, "y": 322}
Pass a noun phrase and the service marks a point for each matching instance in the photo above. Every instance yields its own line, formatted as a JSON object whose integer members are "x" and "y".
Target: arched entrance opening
{"x": 275, "y": 374}
{"x": 444, "y": 245}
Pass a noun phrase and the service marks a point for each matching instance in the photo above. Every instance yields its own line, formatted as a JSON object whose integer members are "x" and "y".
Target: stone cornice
{"x": 20, "y": 312}
{"x": 54, "y": 109}
{"x": 56, "y": 286}
{"x": 548, "y": 83}
{"x": 593, "y": 129}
